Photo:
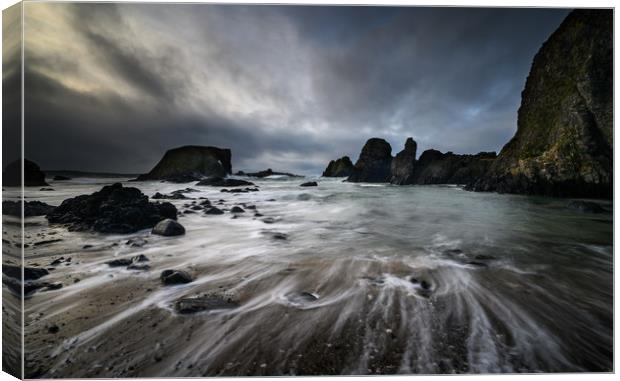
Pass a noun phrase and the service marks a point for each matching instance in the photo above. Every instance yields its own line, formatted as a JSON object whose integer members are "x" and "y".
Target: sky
{"x": 111, "y": 87}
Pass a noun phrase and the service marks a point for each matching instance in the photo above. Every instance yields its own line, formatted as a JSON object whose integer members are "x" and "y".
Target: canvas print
{"x": 194, "y": 190}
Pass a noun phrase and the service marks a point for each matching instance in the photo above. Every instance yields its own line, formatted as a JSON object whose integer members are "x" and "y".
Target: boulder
{"x": 309, "y": 184}
{"x": 237, "y": 209}
{"x": 31, "y": 208}
{"x": 214, "y": 211}
{"x": 168, "y": 227}
{"x": 342, "y": 167}
{"x": 171, "y": 277}
{"x": 113, "y": 209}
{"x": 564, "y": 140}
{"x": 191, "y": 163}
{"x": 221, "y": 182}
{"x": 33, "y": 176}
{"x": 373, "y": 165}
{"x": 403, "y": 164}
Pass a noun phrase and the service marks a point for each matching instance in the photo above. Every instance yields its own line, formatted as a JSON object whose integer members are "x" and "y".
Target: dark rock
{"x": 136, "y": 242}
{"x": 113, "y": 209}
{"x": 30, "y": 273}
{"x": 269, "y": 172}
{"x": 170, "y": 277}
{"x": 168, "y": 227}
{"x": 123, "y": 262}
{"x": 214, "y": 211}
{"x": 136, "y": 267}
{"x": 342, "y": 167}
{"x": 139, "y": 258}
{"x": 172, "y": 196}
{"x": 279, "y": 236}
{"x": 403, "y": 164}
{"x": 257, "y": 215}
{"x": 309, "y": 184}
{"x": 53, "y": 329}
{"x": 197, "y": 207}
{"x": 269, "y": 220}
{"x": 585, "y": 206}
{"x": 53, "y": 286}
{"x": 191, "y": 163}
{"x": 564, "y": 140}
{"x": 373, "y": 165}
{"x": 244, "y": 190}
{"x": 435, "y": 167}
{"x": 236, "y": 209}
{"x": 204, "y": 303}
{"x": 33, "y": 176}
{"x": 46, "y": 189}
{"x": 221, "y": 182}
{"x": 240, "y": 173}
{"x": 31, "y": 208}
{"x": 46, "y": 242}
{"x": 61, "y": 178}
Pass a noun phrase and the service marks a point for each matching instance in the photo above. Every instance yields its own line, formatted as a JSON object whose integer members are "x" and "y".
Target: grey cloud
{"x": 449, "y": 77}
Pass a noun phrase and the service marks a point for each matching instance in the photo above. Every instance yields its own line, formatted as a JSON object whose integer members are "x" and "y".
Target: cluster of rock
{"x": 266, "y": 173}
{"x": 564, "y": 141}
{"x": 113, "y": 209}
{"x": 376, "y": 165}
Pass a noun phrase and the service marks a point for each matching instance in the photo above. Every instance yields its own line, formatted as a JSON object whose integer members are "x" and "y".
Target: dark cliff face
{"x": 193, "y": 160}
{"x": 373, "y": 165}
{"x": 564, "y": 141}
{"x": 342, "y": 167}
{"x": 404, "y": 163}
{"x": 33, "y": 176}
{"x": 435, "y": 167}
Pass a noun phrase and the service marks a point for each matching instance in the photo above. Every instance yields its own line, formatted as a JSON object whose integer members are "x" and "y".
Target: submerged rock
{"x": 168, "y": 227}
{"x": 301, "y": 297}
{"x": 113, "y": 209}
{"x": 204, "y": 303}
{"x": 221, "y": 182}
{"x": 270, "y": 172}
{"x": 237, "y": 209}
{"x": 136, "y": 242}
{"x": 61, "y": 178}
{"x": 191, "y": 163}
{"x": 214, "y": 211}
{"x": 564, "y": 140}
{"x": 342, "y": 167}
{"x": 31, "y": 208}
{"x": 585, "y": 206}
{"x": 171, "y": 277}
{"x": 33, "y": 176}
{"x": 309, "y": 184}
{"x": 373, "y": 165}
{"x": 403, "y": 164}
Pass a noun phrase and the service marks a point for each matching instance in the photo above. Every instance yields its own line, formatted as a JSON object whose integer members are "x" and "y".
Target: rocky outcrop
{"x": 270, "y": 172}
{"x": 31, "y": 208}
{"x": 221, "y": 182}
{"x": 33, "y": 176}
{"x": 373, "y": 165}
{"x": 435, "y": 167}
{"x": 191, "y": 163}
{"x": 342, "y": 167}
{"x": 403, "y": 164}
{"x": 113, "y": 209}
{"x": 564, "y": 140}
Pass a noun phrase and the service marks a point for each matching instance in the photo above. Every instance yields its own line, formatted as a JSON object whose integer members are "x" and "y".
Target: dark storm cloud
{"x": 283, "y": 87}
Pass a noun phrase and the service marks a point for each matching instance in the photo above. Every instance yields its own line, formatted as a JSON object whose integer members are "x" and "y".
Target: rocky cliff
{"x": 192, "y": 162}
{"x": 342, "y": 167}
{"x": 373, "y": 165}
{"x": 403, "y": 164}
{"x": 564, "y": 140}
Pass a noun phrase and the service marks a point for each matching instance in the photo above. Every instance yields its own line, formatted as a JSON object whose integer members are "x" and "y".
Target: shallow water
{"x": 370, "y": 279}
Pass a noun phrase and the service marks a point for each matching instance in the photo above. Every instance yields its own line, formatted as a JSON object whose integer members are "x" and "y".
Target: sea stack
{"x": 435, "y": 167}
{"x": 342, "y": 167}
{"x": 33, "y": 176}
{"x": 403, "y": 164}
{"x": 373, "y": 165}
{"x": 564, "y": 140}
{"x": 191, "y": 162}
